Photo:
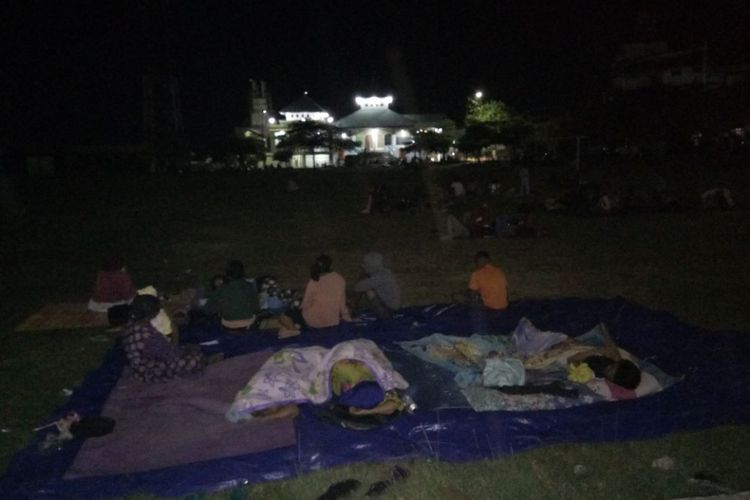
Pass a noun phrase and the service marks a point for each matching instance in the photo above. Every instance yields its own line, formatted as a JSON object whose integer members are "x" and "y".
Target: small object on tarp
{"x": 340, "y": 489}
{"x": 580, "y": 373}
{"x": 500, "y": 372}
{"x": 89, "y": 427}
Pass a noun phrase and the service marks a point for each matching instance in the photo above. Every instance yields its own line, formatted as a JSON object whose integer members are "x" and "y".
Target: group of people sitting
{"x": 234, "y": 301}
{"x": 481, "y": 222}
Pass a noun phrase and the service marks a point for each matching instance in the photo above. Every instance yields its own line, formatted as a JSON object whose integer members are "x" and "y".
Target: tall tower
{"x": 260, "y": 106}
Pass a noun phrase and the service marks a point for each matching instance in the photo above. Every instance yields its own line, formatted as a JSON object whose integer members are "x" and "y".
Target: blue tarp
{"x": 715, "y": 367}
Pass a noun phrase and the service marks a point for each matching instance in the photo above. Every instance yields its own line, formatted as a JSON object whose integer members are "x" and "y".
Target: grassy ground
{"x": 178, "y": 231}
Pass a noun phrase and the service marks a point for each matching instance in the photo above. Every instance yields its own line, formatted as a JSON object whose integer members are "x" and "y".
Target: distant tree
{"x": 476, "y": 138}
{"x": 490, "y": 122}
{"x": 430, "y": 142}
{"x": 488, "y": 112}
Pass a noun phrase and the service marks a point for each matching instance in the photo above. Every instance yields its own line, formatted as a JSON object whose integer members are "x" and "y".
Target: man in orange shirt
{"x": 488, "y": 290}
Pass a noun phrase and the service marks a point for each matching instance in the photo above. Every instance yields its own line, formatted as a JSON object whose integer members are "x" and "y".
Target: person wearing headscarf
{"x": 151, "y": 357}
{"x": 378, "y": 289}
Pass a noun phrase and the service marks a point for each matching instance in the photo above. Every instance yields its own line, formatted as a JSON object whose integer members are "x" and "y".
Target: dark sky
{"x": 73, "y": 70}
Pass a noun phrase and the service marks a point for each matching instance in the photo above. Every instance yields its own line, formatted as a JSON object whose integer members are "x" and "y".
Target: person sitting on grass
{"x": 488, "y": 293}
{"x": 378, "y": 290}
{"x": 480, "y": 222}
{"x": 324, "y": 302}
{"x": 236, "y": 303}
{"x": 113, "y": 286}
{"x": 150, "y": 356}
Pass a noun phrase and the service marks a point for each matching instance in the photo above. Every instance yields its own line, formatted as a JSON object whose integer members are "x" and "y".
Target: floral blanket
{"x": 302, "y": 375}
{"x": 467, "y": 358}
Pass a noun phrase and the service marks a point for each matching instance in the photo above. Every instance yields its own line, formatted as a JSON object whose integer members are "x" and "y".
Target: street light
{"x": 272, "y": 120}
{"x": 478, "y": 94}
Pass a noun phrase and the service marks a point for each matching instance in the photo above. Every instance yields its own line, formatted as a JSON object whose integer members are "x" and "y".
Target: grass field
{"x": 178, "y": 231}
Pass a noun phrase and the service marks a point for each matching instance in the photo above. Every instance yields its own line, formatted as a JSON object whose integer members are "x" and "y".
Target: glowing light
{"x": 272, "y": 120}
{"x": 403, "y": 133}
{"x": 265, "y": 111}
{"x": 247, "y": 133}
{"x": 329, "y": 119}
{"x": 374, "y": 101}
{"x": 279, "y": 133}
{"x": 344, "y": 135}
{"x": 478, "y": 94}
{"x": 305, "y": 92}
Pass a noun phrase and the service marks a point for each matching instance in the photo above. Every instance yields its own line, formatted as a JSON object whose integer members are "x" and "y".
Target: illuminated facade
{"x": 377, "y": 128}
{"x": 374, "y": 127}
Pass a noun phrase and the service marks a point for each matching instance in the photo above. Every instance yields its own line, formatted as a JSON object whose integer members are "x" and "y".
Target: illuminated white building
{"x": 377, "y": 128}
{"x": 305, "y": 109}
{"x": 374, "y": 127}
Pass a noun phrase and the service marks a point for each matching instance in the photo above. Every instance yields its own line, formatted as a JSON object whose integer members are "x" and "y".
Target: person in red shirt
{"x": 113, "y": 286}
{"x": 488, "y": 293}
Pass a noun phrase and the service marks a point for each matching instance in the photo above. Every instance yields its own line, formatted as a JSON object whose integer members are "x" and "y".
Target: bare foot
{"x": 290, "y": 411}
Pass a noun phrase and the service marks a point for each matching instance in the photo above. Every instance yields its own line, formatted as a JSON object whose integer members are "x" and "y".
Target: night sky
{"x": 73, "y": 70}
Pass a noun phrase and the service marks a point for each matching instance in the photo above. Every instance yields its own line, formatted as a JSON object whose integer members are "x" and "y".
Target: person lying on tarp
{"x": 151, "y": 357}
{"x": 607, "y": 361}
{"x": 355, "y": 389}
{"x": 354, "y": 375}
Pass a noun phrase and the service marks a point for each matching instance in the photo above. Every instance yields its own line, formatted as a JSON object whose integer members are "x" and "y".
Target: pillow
{"x": 613, "y": 392}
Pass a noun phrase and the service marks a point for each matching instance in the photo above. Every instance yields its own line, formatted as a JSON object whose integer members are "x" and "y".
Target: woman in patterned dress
{"x": 151, "y": 357}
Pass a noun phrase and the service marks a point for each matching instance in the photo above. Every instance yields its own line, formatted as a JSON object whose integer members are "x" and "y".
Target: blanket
{"x": 178, "y": 422}
{"x": 63, "y": 316}
{"x": 302, "y": 375}
{"x": 467, "y": 358}
{"x": 714, "y": 365}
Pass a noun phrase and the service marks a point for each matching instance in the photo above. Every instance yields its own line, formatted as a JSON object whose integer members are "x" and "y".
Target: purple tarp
{"x": 179, "y": 422}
